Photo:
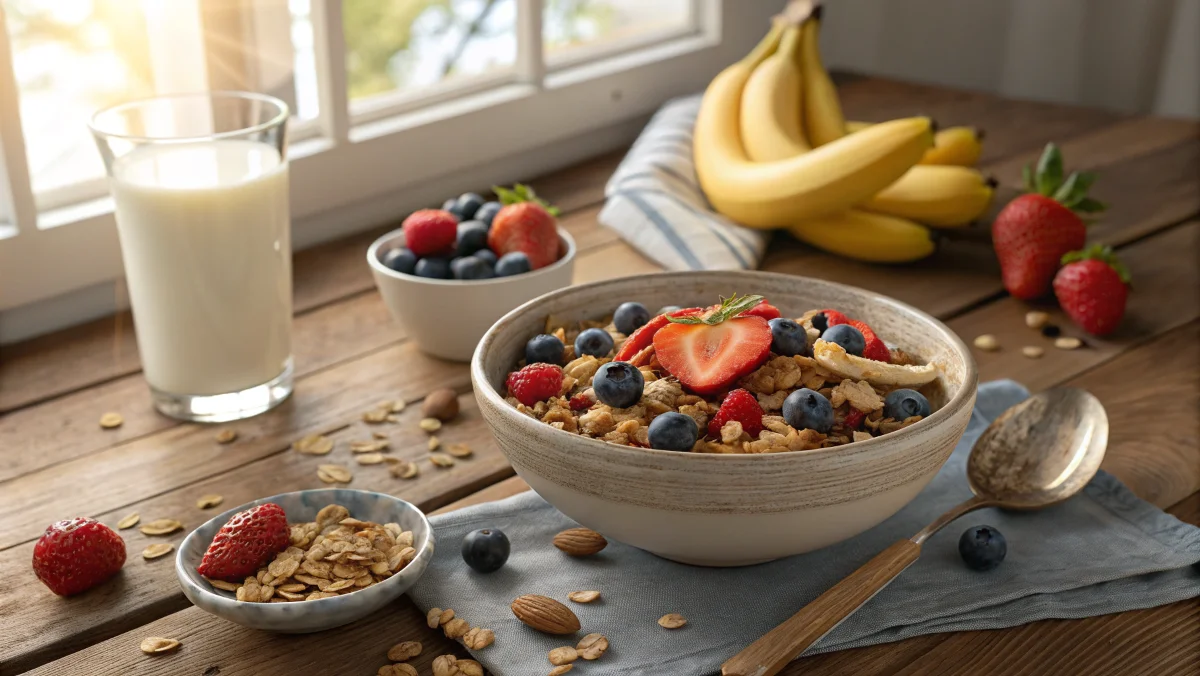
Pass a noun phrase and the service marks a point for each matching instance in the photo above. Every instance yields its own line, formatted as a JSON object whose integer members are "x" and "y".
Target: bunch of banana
{"x": 773, "y": 149}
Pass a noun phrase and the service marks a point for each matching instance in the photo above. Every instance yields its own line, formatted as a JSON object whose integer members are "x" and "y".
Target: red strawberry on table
{"x": 1091, "y": 288}
{"x": 75, "y": 555}
{"x": 525, "y": 224}
{"x": 875, "y": 347}
{"x": 429, "y": 232}
{"x": 1033, "y": 232}
{"x": 247, "y": 541}
{"x": 741, "y": 406}
{"x": 710, "y": 351}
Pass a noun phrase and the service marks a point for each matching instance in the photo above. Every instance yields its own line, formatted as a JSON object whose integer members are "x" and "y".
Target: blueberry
{"x": 820, "y": 322}
{"x": 982, "y": 547}
{"x": 486, "y": 255}
{"x": 545, "y": 349}
{"x": 485, "y": 550}
{"x": 468, "y": 203}
{"x": 451, "y": 205}
{"x": 788, "y": 338}
{"x": 673, "y": 432}
{"x": 629, "y": 317}
{"x": 472, "y": 236}
{"x": 667, "y": 309}
{"x": 488, "y": 211}
{"x": 433, "y": 268}
{"x": 470, "y": 267}
{"x": 850, "y": 338}
{"x": 596, "y": 342}
{"x": 619, "y": 384}
{"x": 514, "y": 263}
{"x": 400, "y": 260}
{"x": 901, "y": 404}
{"x": 806, "y": 408}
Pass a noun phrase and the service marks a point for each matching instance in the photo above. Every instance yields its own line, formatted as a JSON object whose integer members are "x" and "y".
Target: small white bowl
{"x": 447, "y": 317}
{"x": 301, "y": 617}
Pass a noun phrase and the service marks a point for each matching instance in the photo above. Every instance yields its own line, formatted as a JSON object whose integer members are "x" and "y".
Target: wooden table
{"x": 56, "y": 462}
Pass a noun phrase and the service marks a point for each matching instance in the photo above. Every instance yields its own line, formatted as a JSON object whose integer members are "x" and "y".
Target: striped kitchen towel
{"x": 655, "y": 203}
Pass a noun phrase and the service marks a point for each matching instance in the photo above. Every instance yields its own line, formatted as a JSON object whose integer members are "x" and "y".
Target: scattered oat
{"x": 441, "y": 460}
{"x": 987, "y": 342}
{"x": 1032, "y": 351}
{"x": 404, "y": 470}
{"x": 672, "y": 621}
{"x": 223, "y": 585}
{"x": 434, "y": 618}
{"x": 1036, "y": 319}
{"x": 561, "y": 669}
{"x": 399, "y": 405}
{"x": 446, "y": 616}
{"x": 209, "y": 501}
{"x": 111, "y": 420}
{"x": 430, "y": 425}
{"x": 397, "y": 670}
{"x": 592, "y": 646}
{"x": 156, "y": 645}
{"x": 444, "y": 665}
{"x": 379, "y": 435}
{"x": 161, "y": 527}
{"x": 434, "y": 443}
{"x": 563, "y": 655}
{"x": 129, "y": 521}
{"x": 404, "y": 651}
{"x": 478, "y": 638}
{"x": 226, "y": 436}
{"x": 374, "y": 446}
{"x": 459, "y": 450}
{"x": 469, "y": 668}
{"x": 456, "y": 628}
{"x": 377, "y": 416}
{"x": 158, "y": 549}
{"x": 583, "y": 596}
{"x": 314, "y": 444}
{"x": 393, "y": 418}
{"x": 369, "y": 458}
{"x": 1068, "y": 343}
{"x": 334, "y": 474}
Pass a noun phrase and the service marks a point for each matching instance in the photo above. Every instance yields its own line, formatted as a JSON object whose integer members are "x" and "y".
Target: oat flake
{"x": 672, "y": 621}
{"x": 434, "y": 443}
{"x": 226, "y": 436}
{"x": 459, "y": 450}
{"x": 592, "y": 646}
{"x": 156, "y": 645}
{"x": 161, "y": 527}
{"x": 314, "y": 444}
{"x": 334, "y": 474}
{"x": 129, "y": 521}
{"x": 430, "y": 424}
{"x": 563, "y": 655}
{"x": 110, "y": 421}
{"x": 441, "y": 460}
{"x": 369, "y": 458}
{"x": 158, "y": 549}
{"x": 404, "y": 470}
{"x": 583, "y": 596}
{"x": 209, "y": 501}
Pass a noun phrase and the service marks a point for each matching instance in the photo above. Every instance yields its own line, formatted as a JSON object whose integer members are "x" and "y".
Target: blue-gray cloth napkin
{"x": 655, "y": 203}
{"x": 1103, "y": 551}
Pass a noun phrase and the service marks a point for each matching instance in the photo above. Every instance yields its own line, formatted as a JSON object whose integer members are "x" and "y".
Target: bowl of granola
{"x": 305, "y": 561}
{"x": 718, "y": 429}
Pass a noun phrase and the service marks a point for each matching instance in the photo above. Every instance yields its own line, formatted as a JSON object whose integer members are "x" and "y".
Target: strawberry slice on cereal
{"x": 709, "y": 352}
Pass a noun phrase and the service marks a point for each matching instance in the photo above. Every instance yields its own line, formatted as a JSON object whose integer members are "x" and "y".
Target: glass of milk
{"x": 200, "y": 185}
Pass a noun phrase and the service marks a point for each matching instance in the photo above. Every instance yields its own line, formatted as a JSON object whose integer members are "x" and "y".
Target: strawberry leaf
{"x": 1088, "y": 205}
{"x": 729, "y": 308}
{"x": 1049, "y": 173}
{"x": 1027, "y": 178}
{"x": 1101, "y": 253}
{"x": 522, "y": 193}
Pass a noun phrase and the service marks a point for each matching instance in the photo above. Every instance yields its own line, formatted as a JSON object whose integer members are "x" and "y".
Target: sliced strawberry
{"x": 709, "y": 352}
{"x": 764, "y": 310}
{"x": 876, "y": 349}
{"x": 644, "y": 336}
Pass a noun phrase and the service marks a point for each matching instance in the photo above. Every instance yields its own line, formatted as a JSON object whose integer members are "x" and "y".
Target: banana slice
{"x": 834, "y": 358}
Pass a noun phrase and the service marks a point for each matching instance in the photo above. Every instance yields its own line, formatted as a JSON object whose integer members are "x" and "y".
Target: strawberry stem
{"x": 1101, "y": 253}
{"x": 522, "y": 193}
{"x": 1047, "y": 179}
{"x": 728, "y": 309}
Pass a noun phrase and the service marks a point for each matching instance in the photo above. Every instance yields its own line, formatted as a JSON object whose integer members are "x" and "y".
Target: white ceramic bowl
{"x": 307, "y": 616}
{"x": 727, "y": 510}
{"x": 447, "y": 317}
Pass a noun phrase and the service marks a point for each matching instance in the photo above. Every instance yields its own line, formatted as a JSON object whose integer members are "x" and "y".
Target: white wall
{"x": 1124, "y": 55}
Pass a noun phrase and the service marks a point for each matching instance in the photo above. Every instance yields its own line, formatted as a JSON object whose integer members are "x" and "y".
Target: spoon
{"x": 1036, "y": 454}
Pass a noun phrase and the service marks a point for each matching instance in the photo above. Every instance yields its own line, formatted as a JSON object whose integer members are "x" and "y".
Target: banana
{"x": 823, "y": 119}
{"x": 853, "y": 126}
{"x": 960, "y": 146}
{"x": 940, "y": 196}
{"x": 866, "y": 236}
{"x": 835, "y": 359}
{"x": 770, "y": 128}
{"x": 824, "y": 181}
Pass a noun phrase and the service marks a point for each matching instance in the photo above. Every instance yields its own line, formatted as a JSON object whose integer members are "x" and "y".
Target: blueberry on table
{"x": 485, "y": 550}
{"x": 595, "y": 342}
{"x": 673, "y": 431}
{"x": 788, "y": 338}
{"x": 545, "y": 349}
{"x": 470, "y": 267}
{"x": 513, "y": 263}
{"x": 400, "y": 260}
{"x": 486, "y": 255}
{"x": 619, "y": 384}
{"x": 471, "y": 237}
{"x": 629, "y": 317}
{"x": 901, "y": 404}
{"x": 433, "y": 268}
{"x": 809, "y": 409}
{"x": 850, "y": 338}
{"x": 487, "y": 212}
{"x": 468, "y": 204}
{"x": 982, "y": 547}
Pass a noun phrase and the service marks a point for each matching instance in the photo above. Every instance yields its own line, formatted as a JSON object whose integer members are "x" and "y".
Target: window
{"x": 392, "y": 101}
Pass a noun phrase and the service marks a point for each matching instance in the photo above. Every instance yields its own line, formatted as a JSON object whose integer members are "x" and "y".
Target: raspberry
{"x": 875, "y": 349}
{"x": 581, "y": 401}
{"x": 853, "y": 419}
{"x": 430, "y": 231}
{"x": 535, "y": 382}
{"x": 741, "y": 406}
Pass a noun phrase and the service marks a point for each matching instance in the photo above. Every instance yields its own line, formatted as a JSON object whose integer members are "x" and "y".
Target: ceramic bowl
{"x": 301, "y": 617}
{"x": 728, "y": 510}
{"x": 446, "y": 318}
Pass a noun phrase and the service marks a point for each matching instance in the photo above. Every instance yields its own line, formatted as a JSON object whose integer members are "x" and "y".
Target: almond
{"x": 441, "y": 404}
{"x": 545, "y": 614}
{"x": 580, "y": 541}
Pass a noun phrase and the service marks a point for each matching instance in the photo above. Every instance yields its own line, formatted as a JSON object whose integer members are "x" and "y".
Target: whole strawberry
{"x": 1091, "y": 288}
{"x": 429, "y": 232}
{"x": 741, "y": 406}
{"x": 247, "y": 541}
{"x": 525, "y": 224}
{"x": 75, "y": 555}
{"x": 1033, "y": 232}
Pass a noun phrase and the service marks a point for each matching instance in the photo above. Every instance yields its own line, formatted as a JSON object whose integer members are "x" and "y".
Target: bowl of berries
{"x": 721, "y": 429}
{"x": 448, "y": 274}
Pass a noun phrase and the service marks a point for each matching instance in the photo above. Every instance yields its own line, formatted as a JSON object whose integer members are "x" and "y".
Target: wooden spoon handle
{"x": 781, "y": 645}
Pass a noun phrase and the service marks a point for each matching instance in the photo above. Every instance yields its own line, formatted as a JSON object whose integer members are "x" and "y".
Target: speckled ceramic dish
{"x": 737, "y": 509}
{"x": 307, "y": 616}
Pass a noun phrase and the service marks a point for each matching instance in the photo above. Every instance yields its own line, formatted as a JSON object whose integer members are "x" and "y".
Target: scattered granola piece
{"x": 434, "y": 443}
{"x": 434, "y": 617}
{"x": 209, "y": 501}
{"x": 469, "y": 668}
{"x": 478, "y": 638}
{"x": 583, "y": 596}
{"x": 334, "y": 474}
{"x": 110, "y": 421}
{"x": 563, "y": 655}
{"x": 446, "y": 616}
{"x": 373, "y": 446}
{"x": 404, "y": 651}
{"x": 404, "y": 470}
{"x": 397, "y": 670}
{"x": 1032, "y": 351}
{"x": 430, "y": 425}
{"x": 157, "y": 549}
{"x": 1068, "y": 343}
{"x": 376, "y": 416}
{"x": 459, "y": 450}
{"x": 157, "y": 645}
{"x": 672, "y": 621}
{"x": 161, "y": 527}
{"x": 592, "y": 646}
{"x": 441, "y": 460}
{"x": 226, "y": 436}
{"x": 1036, "y": 319}
{"x": 859, "y": 394}
{"x": 561, "y": 669}
{"x": 445, "y": 666}
{"x": 129, "y": 521}
{"x": 369, "y": 458}
{"x": 379, "y": 435}
{"x": 456, "y": 628}
{"x": 987, "y": 342}
{"x": 314, "y": 444}
{"x": 399, "y": 405}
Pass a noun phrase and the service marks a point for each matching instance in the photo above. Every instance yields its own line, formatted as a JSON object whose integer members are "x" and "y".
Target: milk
{"x": 205, "y": 239}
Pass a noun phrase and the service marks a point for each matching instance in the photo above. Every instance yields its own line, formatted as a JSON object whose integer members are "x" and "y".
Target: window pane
{"x": 570, "y": 24}
{"x": 405, "y": 45}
